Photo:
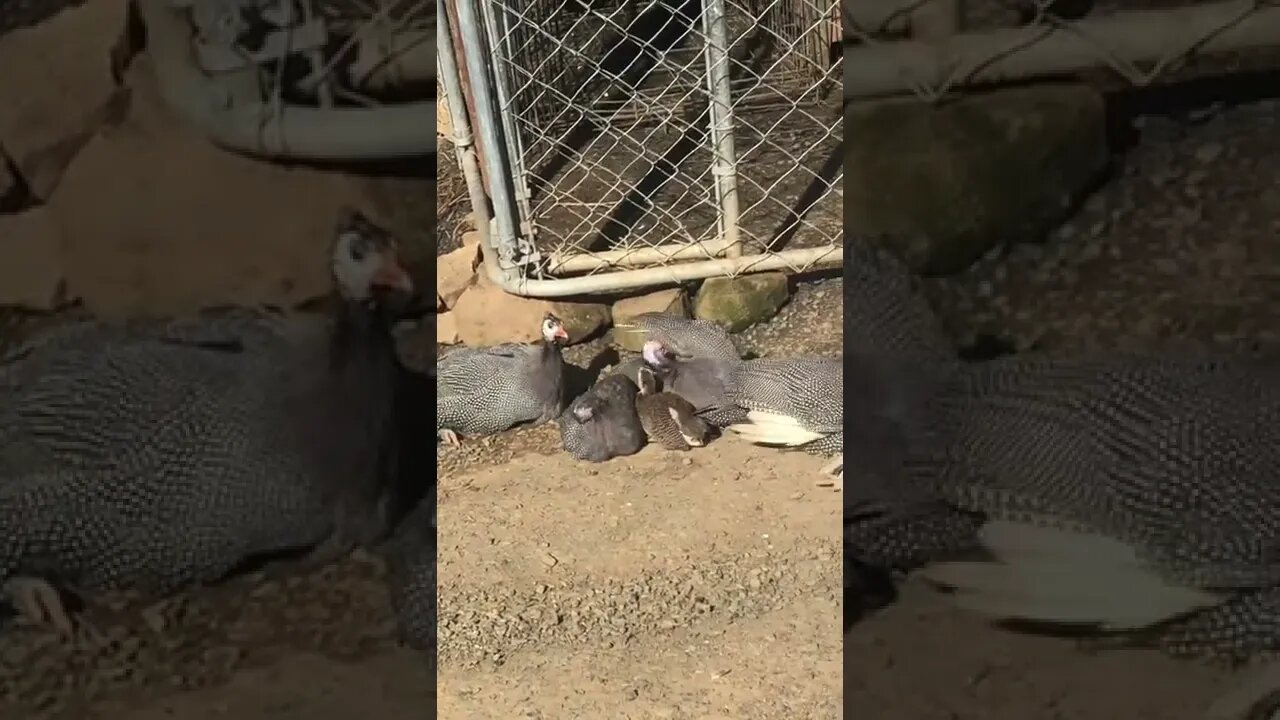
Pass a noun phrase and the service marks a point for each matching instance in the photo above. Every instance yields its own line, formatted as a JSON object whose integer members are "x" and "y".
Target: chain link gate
{"x": 628, "y": 143}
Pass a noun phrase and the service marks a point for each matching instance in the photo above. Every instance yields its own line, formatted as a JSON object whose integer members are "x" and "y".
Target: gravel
{"x": 482, "y": 626}
{"x": 1178, "y": 246}
{"x": 199, "y": 638}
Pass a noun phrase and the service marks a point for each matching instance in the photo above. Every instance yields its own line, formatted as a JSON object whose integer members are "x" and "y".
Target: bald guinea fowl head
{"x": 366, "y": 263}
{"x": 656, "y": 355}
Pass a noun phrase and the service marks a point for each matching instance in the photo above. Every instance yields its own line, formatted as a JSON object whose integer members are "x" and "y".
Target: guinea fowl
{"x": 1124, "y": 494}
{"x": 793, "y": 402}
{"x": 486, "y": 390}
{"x": 602, "y": 423}
{"x": 683, "y": 337}
{"x": 149, "y": 456}
{"x": 886, "y": 314}
{"x": 668, "y": 418}
{"x": 702, "y": 381}
{"x": 413, "y": 577}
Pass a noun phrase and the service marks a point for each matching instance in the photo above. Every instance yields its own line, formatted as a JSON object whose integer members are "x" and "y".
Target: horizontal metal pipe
{"x": 570, "y": 262}
{"x": 239, "y": 123}
{"x": 897, "y": 67}
{"x": 808, "y": 258}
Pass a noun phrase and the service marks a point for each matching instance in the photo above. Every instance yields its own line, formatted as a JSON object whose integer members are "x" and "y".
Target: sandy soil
{"x": 923, "y": 660}
{"x": 664, "y": 585}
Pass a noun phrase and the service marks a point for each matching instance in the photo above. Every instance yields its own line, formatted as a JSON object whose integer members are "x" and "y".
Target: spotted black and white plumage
{"x": 885, "y": 311}
{"x": 685, "y": 338}
{"x": 1127, "y": 493}
{"x": 413, "y": 577}
{"x": 149, "y": 455}
{"x": 602, "y": 423}
{"x": 668, "y": 418}
{"x": 792, "y": 402}
{"x": 485, "y": 390}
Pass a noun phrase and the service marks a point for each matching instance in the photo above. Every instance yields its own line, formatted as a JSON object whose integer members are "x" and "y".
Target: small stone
{"x": 549, "y": 560}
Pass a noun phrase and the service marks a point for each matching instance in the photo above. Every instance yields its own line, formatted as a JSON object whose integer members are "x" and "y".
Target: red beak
{"x": 392, "y": 276}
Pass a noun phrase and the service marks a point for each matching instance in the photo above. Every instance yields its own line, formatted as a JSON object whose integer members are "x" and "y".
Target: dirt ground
{"x": 665, "y": 585}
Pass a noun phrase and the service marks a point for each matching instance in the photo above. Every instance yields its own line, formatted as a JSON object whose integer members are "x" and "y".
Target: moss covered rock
{"x": 946, "y": 183}
{"x": 737, "y": 303}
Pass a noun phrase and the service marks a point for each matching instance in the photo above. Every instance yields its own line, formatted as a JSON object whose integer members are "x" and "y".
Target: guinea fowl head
{"x": 366, "y": 263}
{"x": 586, "y": 408}
{"x": 656, "y": 355}
{"x": 553, "y": 330}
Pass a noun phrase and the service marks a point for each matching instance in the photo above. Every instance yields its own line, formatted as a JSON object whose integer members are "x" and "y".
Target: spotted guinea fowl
{"x": 1126, "y": 494}
{"x": 885, "y": 312}
{"x": 602, "y": 423}
{"x": 485, "y": 390}
{"x": 413, "y": 577}
{"x": 148, "y": 456}
{"x": 668, "y": 418}
{"x": 684, "y": 338}
{"x": 793, "y": 402}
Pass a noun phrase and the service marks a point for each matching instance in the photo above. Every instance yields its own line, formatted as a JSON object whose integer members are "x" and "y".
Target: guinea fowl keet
{"x": 151, "y": 455}
{"x": 668, "y": 418}
{"x": 481, "y": 391}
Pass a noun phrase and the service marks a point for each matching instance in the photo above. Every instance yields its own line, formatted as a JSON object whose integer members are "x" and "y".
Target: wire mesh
{"x": 611, "y": 113}
{"x": 1114, "y": 43}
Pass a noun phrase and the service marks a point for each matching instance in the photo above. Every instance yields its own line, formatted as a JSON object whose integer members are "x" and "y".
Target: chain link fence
{"x": 650, "y": 141}
{"x": 932, "y": 48}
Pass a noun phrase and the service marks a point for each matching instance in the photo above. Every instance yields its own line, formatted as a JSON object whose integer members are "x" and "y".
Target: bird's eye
{"x": 357, "y": 252}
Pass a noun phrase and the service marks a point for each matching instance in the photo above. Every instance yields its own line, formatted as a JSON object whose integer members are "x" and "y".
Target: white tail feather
{"x": 766, "y": 428}
{"x": 1062, "y": 576}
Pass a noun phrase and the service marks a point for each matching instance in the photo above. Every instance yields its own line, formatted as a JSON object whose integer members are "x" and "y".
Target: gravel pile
{"x": 482, "y": 626}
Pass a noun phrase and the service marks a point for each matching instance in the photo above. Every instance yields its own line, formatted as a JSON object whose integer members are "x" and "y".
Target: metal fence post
{"x": 720, "y": 106}
{"x": 471, "y": 29}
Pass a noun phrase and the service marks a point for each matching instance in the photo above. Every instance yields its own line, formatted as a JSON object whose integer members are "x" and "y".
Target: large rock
{"x": 487, "y": 315}
{"x": 737, "y": 303}
{"x": 946, "y": 183}
{"x": 455, "y": 272}
{"x": 446, "y": 328}
{"x": 31, "y": 275}
{"x": 155, "y": 219}
{"x": 57, "y": 85}
{"x": 673, "y": 301}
